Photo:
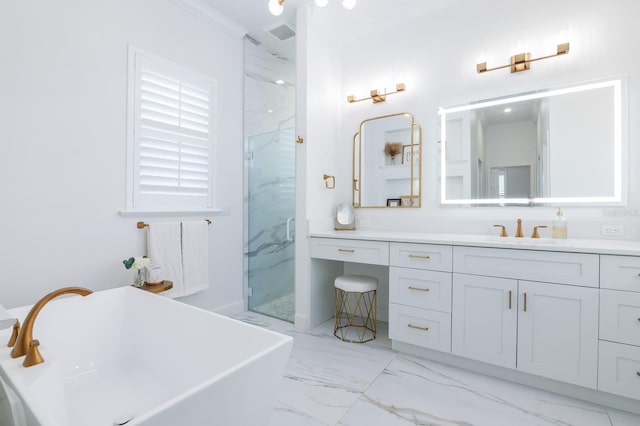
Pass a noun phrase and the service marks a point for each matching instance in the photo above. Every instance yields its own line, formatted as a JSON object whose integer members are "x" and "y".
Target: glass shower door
{"x": 271, "y": 217}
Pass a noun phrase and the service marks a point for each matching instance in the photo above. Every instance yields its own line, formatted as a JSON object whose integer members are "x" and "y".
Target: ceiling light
{"x": 349, "y": 4}
{"x": 507, "y": 110}
{"x": 275, "y": 7}
{"x": 279, "y": 81}
{"x": 322, "y": 3}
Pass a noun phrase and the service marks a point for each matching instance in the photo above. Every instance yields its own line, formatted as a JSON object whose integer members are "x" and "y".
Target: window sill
{"x": 173, "y": 213}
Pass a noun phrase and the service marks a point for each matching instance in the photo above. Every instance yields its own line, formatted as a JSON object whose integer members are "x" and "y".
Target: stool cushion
{"x": 356, "y": 283}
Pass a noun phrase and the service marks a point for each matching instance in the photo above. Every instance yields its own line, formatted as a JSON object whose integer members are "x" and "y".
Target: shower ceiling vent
{"x": 282, "y": 31}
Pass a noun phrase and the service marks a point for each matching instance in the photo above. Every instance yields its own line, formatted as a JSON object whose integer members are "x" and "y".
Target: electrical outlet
{"x": 364, "y": 223}
{"x": 612, "y": 230}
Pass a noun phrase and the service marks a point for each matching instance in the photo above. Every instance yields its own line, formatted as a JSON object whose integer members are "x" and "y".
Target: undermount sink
{"x": 126, "y": 356}
{"x": 523, "y": 240}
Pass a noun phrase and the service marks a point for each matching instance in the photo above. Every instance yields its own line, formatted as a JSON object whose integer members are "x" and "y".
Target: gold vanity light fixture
{"x": 522, "y": 61}
{"x": 376, "y": 96}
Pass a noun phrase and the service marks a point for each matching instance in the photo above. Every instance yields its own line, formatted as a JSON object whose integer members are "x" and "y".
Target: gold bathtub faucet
{"x": 25, "y": 344}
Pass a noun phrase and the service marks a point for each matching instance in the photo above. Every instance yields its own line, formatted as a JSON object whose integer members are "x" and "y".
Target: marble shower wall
{"x": 270, "y": 174}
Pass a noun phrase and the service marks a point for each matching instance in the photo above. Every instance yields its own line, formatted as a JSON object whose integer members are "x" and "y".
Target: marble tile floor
{"x": 330, "y": 382}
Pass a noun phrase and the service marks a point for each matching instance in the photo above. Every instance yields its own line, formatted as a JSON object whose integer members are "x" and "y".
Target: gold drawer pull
{"x": 426, "y": 289}
{"x": 415, "y": 256}
{"x": 347, "y": 250}
{"x": 418, "y": 327}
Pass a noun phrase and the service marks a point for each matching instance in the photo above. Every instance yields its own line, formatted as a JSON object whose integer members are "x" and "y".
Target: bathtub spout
{"x": 25, "y": 336}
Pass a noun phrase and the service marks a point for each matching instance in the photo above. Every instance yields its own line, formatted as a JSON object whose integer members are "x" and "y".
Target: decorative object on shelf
{"x": 394, "y": 202}
{"x": 392, "y": 149}
{"x": 410, "y": 152}
{"x": 376, "y": 96}
{"x": 522, "y": 61}
{"x": 154, "y": 275}
{"x": 299, "y": 140}
{"x": 329, "y": 181}
{"x": 409, "y": 201}
{"x": 276, "y": 6}
{"x": 138, "y": 264}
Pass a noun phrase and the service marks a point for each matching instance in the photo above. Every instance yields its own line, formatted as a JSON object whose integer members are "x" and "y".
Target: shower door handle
{"x": 289, "y": 233}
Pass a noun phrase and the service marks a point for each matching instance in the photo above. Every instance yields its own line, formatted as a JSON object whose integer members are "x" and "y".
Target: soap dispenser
{"x": 559, "y": 228}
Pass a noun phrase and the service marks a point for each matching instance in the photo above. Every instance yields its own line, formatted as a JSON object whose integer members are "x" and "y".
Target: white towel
{"x": 195, "y": 256}
{"x": 164, "y": 247}
{"x": 6, "y": 320}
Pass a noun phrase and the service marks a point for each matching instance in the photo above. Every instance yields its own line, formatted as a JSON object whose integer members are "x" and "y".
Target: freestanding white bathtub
{"x": 125, "y": 356}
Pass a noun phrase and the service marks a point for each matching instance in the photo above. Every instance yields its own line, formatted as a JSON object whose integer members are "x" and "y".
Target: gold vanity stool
{"x": 355, "y": 299}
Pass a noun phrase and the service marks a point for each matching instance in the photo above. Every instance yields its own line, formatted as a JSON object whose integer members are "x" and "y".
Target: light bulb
{"x": 322, "y": 3}
{"x": 275, "y": 7}
{"x": 349, "y": 4}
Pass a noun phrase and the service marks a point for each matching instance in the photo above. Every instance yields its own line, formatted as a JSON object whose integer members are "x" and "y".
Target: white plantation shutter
{"x": 172, "y": 154}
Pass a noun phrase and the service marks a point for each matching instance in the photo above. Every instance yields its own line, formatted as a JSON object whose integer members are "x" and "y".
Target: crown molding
{"x": 212, "y": 17}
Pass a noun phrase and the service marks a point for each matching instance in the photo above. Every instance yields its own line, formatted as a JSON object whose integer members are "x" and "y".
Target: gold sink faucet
{"x": 25, "y": 344}
{"x": 519, "y": 233}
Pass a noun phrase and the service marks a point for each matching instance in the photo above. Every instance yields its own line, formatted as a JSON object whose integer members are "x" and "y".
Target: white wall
{"x": 63, "y": 103}
{"x": 435, "y": 54}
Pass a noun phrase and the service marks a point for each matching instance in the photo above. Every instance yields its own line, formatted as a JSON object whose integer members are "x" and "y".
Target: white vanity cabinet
{"x": 420, "y": 295}
{"x": 545, "y": 328}
{"x": 563, "y": 314}
{"x": 619, "y": 347}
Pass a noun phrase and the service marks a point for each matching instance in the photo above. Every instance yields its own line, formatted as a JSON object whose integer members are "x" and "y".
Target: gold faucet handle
{"x": 14, "y": 334}
{"x": 503, "y": 232}
{"x": 34, "y": 357}
{"x": 535, "y": 231}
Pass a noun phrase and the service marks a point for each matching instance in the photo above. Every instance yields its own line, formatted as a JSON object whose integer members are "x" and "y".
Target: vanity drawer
{"x": 547, "y": 266}
{"x": 620, "y": 316}
{"x": 619, "y": 369}
{"x": 420, "y": 327}
{"x": 420, "y": 289}
{"x": 620, "y": 272}
{"x": 421, "y": 256}
{"x": 358, "y": 251}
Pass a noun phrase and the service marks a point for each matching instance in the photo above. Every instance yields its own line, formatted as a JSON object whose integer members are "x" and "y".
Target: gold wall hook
{"x": 376, "y": 96}
{"x": 329, "y": 181}
{"x": 299, "y": 140}
{"x": 522, "y": 61}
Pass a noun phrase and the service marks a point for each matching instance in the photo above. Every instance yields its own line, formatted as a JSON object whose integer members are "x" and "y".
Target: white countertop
{"x": 576, "y": 245}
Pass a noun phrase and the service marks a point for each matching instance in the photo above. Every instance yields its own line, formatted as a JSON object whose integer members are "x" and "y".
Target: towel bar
{"x": 141, "y": 225}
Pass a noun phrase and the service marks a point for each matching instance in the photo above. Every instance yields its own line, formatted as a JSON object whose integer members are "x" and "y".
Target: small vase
{"x": 393, "y": 160}
{"x": 138, "y": 278}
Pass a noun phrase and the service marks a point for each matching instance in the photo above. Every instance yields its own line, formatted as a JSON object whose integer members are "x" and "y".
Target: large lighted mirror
{"x": 386, "y": 162}
{"x": 562, "y": 146}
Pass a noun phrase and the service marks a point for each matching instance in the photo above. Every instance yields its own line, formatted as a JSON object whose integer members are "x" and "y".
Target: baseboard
{"x": 579, "y": 392}
{"x": 234, "y": 308}
{"x": 301, "y": 323}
